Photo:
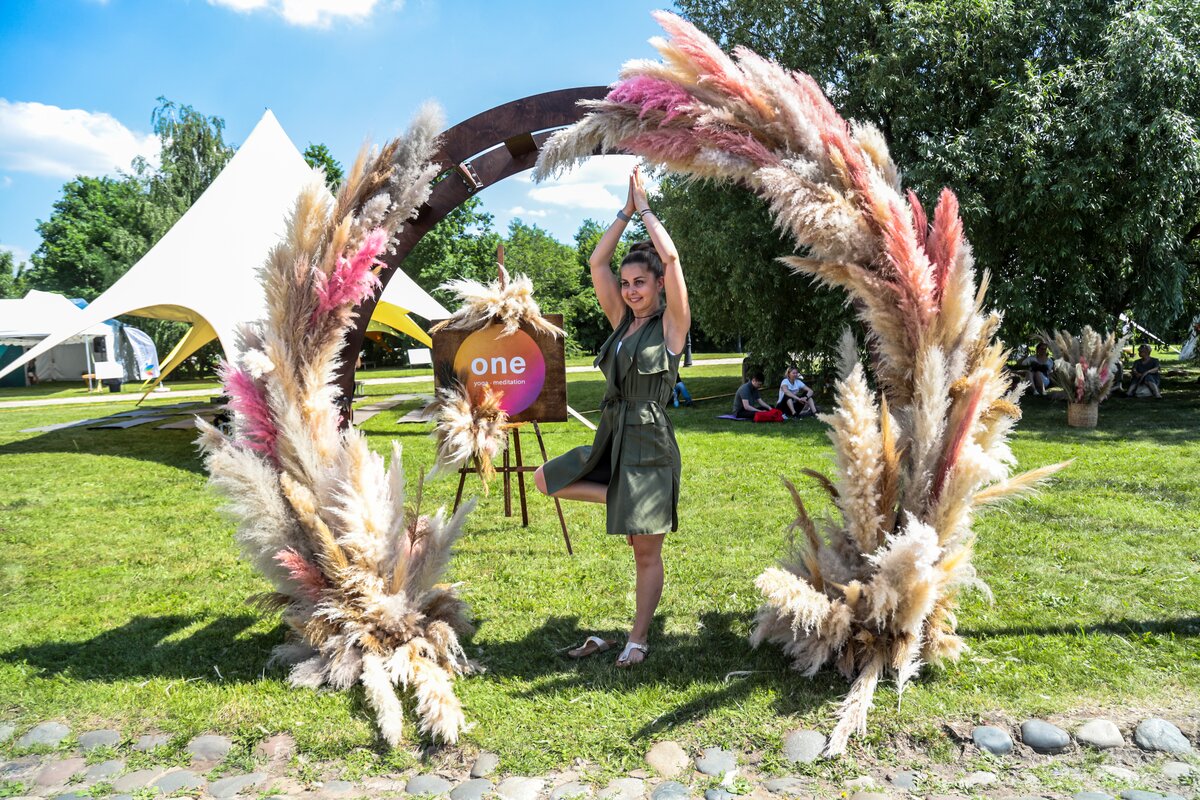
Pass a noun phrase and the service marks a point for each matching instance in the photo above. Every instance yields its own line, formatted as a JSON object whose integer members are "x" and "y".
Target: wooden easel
{"x": 519, "y": 468}
{"x": 508, "y": 469}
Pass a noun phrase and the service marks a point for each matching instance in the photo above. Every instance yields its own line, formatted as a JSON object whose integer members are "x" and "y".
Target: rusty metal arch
{"x": 477, "y": 153}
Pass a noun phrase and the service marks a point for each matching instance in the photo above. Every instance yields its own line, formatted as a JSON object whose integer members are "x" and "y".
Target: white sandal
{"x": 591, "y": 645}
{"x": 623, "y": 659}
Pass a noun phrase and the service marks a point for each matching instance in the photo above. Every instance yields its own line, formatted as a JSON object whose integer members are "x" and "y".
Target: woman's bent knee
{"x": 539, "y": 480}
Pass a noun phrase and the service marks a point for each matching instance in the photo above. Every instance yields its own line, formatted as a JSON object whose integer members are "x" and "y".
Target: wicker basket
{"x": 1082, "y": 415}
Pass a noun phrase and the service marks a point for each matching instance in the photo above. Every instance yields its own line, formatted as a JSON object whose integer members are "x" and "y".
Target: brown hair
{"x": 645, "y": 254}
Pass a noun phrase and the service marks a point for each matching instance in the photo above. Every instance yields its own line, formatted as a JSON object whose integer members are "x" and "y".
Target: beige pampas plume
{"x": 468, "y": 427}
{"x": 354, "y": 567}
{"x": 1085, "y": 366}
{"x": 505, "y": 301}
{"x": 920, "y": 438}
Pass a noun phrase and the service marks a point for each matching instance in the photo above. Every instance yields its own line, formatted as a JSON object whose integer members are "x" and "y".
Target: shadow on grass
{"x": 1184, "y": 626}
{"x": 716, "y": 662}
{"x": 172, "y": 448}
{"x": 1171, "y": 420}
{"x": 152, "y": 647}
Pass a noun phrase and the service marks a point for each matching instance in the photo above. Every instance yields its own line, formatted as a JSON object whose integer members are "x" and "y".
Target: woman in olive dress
{"x": 633, "y": 465}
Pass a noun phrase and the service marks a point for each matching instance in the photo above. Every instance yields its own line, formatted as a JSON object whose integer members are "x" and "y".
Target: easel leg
{"x": 507, "y": 484}
{"x": 516, "y": 438}
{"x": 557, "y": 503}
{"x": 462, "y": 480}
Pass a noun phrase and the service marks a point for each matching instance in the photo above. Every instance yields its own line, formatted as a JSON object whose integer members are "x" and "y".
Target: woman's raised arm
{"x": 678, "y": 317}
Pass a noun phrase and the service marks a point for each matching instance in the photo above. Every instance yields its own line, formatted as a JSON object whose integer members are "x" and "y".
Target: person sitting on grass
{"x": 795, "y": 398}
{"x": 1145, "y": 372}
{"x": 748, "y": 400}
{"x": 1039, "y": 366}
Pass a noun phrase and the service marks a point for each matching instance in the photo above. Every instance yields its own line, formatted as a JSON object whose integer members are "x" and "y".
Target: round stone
{"x": 668, "y": 759}
{"x": 46, "y": 734}
{"x": 1101, "y": 734}
{"x": 993, "y": 740}
{"x": 210, "y": 748}
{"x": 670, "y": 790}
{"x": 1092, "y": 796}
{"x": 150, "y": 741}
{"x": 519, "y": 788}
{"x": 135, "y": 780}
{"x": 803, "y": 746}
{"x": 93, "y": 739}
{"x": 59, "y": 772}
{"x": 104, "y": 770}
{"x": 235, "y": 784}
{"x": 279, "y": 747}
{"x": 1162, "y": 736}
{"x": 717, "y": 794}
{"x": 178, "y": 780}
{"x": 868, "y": 796}
{"x": 785, "y": 786}
{"x": 7, "y": 729}
{"x": 1140, "y": 794}
{"x": 1120, "y": 773}
{"x": 570, "y": 789}
{"x": 715, "y": 761}
{"x": 485, "y": 765}
{"x": 980, "y": 778}
{"x": 73, "y": 796}
{"x": 623, "y": 789}
{"x": 1176, "y": 770}
{"x": 904, "y": 780}
{"x": 428, "y": 784}
{"x": 1042, "y": 737}
{"x": 473, "y": 789}
{"x": 337, "y": 788}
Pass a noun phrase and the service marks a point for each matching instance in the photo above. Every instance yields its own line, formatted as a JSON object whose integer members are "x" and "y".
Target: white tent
{"x": 203, "y": 271}
{"x": 104, "y": 349}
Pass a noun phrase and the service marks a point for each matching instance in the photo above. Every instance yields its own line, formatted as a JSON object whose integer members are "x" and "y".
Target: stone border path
{"x": 1154, "y": 760}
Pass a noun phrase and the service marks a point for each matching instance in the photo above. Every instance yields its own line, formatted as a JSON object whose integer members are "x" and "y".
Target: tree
{"x": 1067, "y": 128}
{"x": 462, "y": 245}
{"x": 12, "y": 281}
{"x": 193, "y": 153}
{"x": 319, "y": 157}
{"x": 736, "y": 288}
{"x": 554, "y": 269}
{"x": 98, "y": 229}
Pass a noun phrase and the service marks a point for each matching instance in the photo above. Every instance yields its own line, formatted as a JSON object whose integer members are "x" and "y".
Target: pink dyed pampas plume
{"x": 356, "y": 571}
{"x": 873, "y": 592}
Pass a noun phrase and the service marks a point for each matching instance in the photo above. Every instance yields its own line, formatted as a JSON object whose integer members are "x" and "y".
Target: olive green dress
{"x": 634, "y": 450}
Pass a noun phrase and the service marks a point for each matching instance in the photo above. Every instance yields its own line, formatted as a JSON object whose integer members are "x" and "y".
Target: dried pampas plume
{"x": 873, "y": 592}
{"x": 356, "y": 572}
{"x": 505, "y": 301}
{"x": 1085, "y": 366}
{"x": 469, "y": 429}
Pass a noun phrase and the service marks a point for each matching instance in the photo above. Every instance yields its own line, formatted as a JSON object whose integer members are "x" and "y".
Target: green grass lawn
{"x": 123, "y": 592}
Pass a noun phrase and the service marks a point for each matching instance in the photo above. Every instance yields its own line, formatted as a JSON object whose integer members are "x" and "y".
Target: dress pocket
{"x": 647, "y": 439}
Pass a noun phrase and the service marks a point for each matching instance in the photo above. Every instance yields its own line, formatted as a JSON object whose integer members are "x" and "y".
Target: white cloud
{"x": 579, "y": 195}
{"x": 597, "y": 183}
{"x": 65, "y": 142}
{"x": 308, "y": 13}
{"x": 5, "y": 182}
{"x": 20, "y": 254}
{"x": 521, "y": 211}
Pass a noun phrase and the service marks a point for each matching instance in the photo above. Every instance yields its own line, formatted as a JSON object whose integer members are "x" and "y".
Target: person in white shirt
{"x": 795, "y": 398}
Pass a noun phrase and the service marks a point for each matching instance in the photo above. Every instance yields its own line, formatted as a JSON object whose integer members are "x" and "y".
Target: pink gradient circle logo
{"x": 512, "y": 365}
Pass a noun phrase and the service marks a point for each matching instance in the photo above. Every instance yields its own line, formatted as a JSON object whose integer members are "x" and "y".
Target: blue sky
{"x": 79, "y": 78}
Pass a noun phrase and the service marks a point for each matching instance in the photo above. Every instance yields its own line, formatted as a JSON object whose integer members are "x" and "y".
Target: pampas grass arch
{"x": 874, "y": 591}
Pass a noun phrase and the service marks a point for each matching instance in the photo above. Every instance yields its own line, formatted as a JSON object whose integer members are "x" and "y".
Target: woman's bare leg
{"x": 647, "y": 557}
{"x": 587, "y": 491}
